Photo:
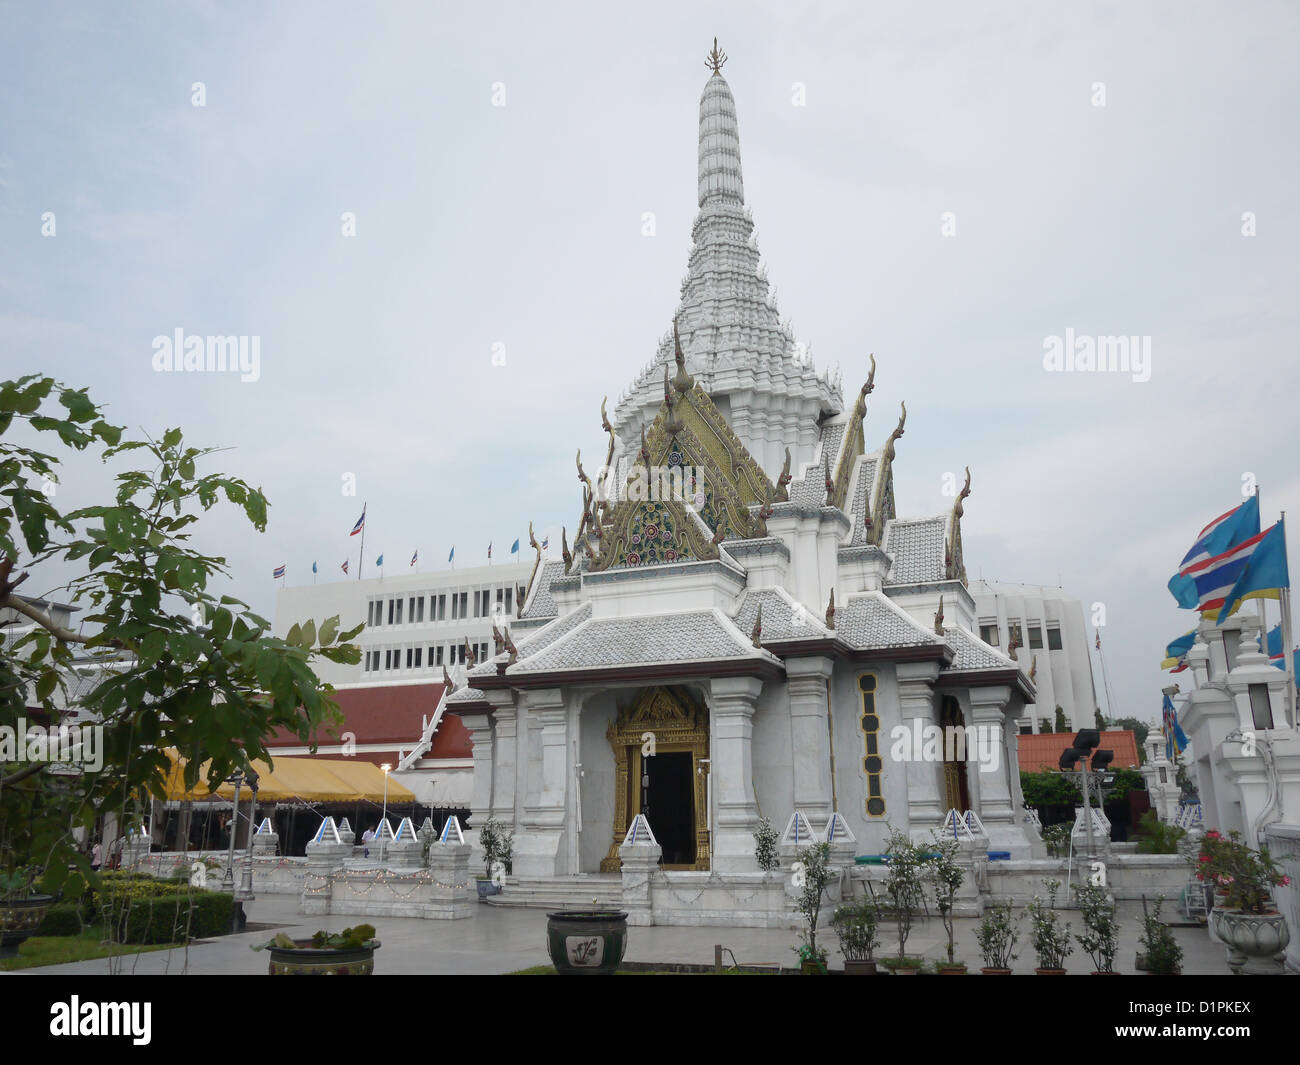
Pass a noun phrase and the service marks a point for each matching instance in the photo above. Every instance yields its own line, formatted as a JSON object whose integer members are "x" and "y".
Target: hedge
{"x": 165, "y": 918}
{"x": 61, "y": 919}
{"x": 143, "y": 910}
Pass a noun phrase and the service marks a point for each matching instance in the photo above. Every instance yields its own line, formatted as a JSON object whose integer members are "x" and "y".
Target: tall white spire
{"x": 719, "y": 144}
{"x": 732, "y": 335}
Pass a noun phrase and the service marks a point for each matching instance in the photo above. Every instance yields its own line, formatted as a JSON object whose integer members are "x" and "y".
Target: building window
{"x": 455, "y": 606}
{"x": 989, "y": 633}
{"x": 438, "y": 650}
{"x": 1260, "y": 710}
{"x": 510, "y": 592}
{"x": 1231, "y": 643}
{"x": 410, "y": 657}
{"x": 442, "y": 608}
{"x": 419, "y": 657}
{"x": 390, "y": 611}
{"x": 1035, "y": 637}
{"x": 388, "y": 659}
{"x": 872, "y": 763}
{"x": 399, "y": 612}
{"x": 1016, "y": 634}
{"x": 1054, "y": 638}
{"x": 1164, "y": 775}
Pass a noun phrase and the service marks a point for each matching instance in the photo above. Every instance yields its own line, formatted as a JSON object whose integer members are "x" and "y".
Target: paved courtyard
{"x": 500, "y": 940}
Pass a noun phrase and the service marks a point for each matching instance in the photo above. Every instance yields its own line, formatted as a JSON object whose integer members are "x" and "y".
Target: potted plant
{"x": 766, "y": 839}
{"x": 945, "y": 874}
{"x": 1244, "y": 916}
{"x": 997, "y": 938}
{"x": 857, "y": 924}
{"x": 811, "y": 873}
{"x": 1100, "y": 935}
{"x": 586, "y": 941}
{"x": 347, "y": 953}
{"x": 1048, "y": 933}
{"x": 498, "y": 849}
{"x": 21, "y": 908}
{"x": 904, "y": 887}
{"x": 1162, "y": 952}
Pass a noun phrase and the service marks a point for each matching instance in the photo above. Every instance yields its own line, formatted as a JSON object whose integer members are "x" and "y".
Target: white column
{"x": 505, "y": 720}
{"x": 540, "y": 848}
{"x": 480, "y": 804}
{"x": 809, "y": 735}
{"x": 988, "y": 711}
{"x": 916, "y": 709}
{"x": 732, "y": 701}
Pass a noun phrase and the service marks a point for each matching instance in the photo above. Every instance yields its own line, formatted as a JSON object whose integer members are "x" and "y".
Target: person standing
{"x": 96, "y": 856}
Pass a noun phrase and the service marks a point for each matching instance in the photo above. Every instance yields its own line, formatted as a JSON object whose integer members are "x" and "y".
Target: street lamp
{"x": 384, "y": 819}
{"x": 228, "y": 879}
{"x": 246, "y": 885}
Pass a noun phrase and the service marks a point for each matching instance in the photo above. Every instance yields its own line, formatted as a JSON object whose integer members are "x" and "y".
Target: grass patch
{"x": 55, "y": 950}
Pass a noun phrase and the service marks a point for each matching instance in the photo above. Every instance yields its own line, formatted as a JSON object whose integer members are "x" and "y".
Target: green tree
{"x": 1061, "y": 724}
{"x": 184, "y": 667}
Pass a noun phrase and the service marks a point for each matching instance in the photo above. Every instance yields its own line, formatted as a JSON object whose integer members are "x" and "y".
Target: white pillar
{"x": 809, "y": 735}
{"x": 540, "y": 847}
{"x": 916, "y": 710}
{"x": 732, "y": 701}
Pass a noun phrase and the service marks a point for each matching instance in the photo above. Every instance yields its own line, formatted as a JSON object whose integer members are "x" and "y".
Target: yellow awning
{"x": 302, "y": 779}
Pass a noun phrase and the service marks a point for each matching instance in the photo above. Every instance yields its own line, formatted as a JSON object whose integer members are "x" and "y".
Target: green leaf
{"x": 328, "y": 630}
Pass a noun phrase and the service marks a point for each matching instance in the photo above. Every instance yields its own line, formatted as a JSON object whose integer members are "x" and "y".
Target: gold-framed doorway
{"x": 678, "y": 724}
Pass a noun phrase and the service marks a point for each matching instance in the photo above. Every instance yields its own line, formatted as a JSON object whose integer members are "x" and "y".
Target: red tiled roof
{"x": 392, "y": 713}
{"x": 1044, "y": 750}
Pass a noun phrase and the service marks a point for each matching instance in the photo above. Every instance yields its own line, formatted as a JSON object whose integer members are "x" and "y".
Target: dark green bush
{"x": 61, "y": 919}
{"x": 167, "y": 918}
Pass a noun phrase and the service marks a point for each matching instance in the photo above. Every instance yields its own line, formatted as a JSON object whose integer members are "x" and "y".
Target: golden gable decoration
{"x": 851, "y": 446}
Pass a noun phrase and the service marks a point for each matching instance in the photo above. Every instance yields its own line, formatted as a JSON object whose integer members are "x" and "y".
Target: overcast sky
{"x": 1097, "y": 162}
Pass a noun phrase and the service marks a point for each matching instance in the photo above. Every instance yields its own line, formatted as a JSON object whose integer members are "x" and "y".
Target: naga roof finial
{"x": 867, "y": 388}
{"x": 756, "y": 633}
{"x": 830, "y": 611}
{"x": 938, "y": 618}
{"x": 716, "y": 60}
{"x": 683, "y": 382}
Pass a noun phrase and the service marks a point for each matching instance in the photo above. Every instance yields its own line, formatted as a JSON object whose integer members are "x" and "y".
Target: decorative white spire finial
{"x": 716, "y": 59}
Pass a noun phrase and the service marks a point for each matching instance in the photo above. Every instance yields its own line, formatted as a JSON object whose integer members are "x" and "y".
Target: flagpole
{"x": 1288, "y": 657}
{"x": 361, "y": 558}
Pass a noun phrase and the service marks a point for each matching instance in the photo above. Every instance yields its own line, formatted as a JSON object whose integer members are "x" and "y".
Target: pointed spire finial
{"x": 716, "y": 60}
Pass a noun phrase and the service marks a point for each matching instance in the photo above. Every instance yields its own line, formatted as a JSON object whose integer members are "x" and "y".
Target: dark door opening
{"x": 668, "y": 803}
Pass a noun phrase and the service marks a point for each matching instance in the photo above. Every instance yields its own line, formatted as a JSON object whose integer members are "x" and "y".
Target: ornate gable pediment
{"x": 648, "y": 533}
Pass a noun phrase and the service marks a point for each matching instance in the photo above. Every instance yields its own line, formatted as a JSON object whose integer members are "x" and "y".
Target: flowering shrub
{"x": 1246, "y": 876}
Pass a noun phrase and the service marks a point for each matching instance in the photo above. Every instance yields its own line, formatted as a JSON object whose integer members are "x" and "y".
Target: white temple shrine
{"x": 742, "y": 624}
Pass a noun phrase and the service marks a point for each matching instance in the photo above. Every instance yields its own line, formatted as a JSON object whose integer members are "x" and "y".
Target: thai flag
{"x": 546, "y": 543}
{"x": 415, "y": 557}
{"x": 278, "y": 572}
{"x": 361, "y": 523}
{"x": 1215, "y": 577}
{"x": 489, "y": 549}
{"x": 1223, "y": 533}
{"x": 345, "y": 565}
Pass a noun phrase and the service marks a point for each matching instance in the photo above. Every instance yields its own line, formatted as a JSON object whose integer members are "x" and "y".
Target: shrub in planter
{"x": 811, "y": 873}
{"x": 1048, "y": 933}
{"x": 857, "y": 925}
{"x": 1245, "y": 876}
{"x": 1100, "y": 935}
{"x": 766, "y": 839}
{"x": 1161, "y": 951}
{"x": 997, "y": 938}
{"x": 903, "y": 884}
{"x": 944, "y": 873}
{"x": 498, "y": 849}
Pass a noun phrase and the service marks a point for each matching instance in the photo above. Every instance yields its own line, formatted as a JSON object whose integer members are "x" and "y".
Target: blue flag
{"x": 1222, "y": 534}
{"x": 1175, "y": 737}
{"x": 313, "y": 567}
{"x": 379, "y": 561}
{"x": 1176, "y": 652}
{"x": 514, "y": 548}
{"x": 1265, "y": 573}
{"x": 452, "y": 555}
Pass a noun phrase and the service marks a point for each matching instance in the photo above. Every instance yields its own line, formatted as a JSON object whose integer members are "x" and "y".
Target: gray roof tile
{"x": 916, "y": 545}
{"x": 869, "y": 621}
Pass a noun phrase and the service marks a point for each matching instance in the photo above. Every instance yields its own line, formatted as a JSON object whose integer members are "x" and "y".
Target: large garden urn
{"x": 586, "y": 941}
{"x": 1256, "y": 942}
{"x": 19, "y": 918}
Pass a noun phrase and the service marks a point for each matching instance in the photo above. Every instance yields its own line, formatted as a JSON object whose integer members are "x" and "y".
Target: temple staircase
{"x": 561, "y": 892}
